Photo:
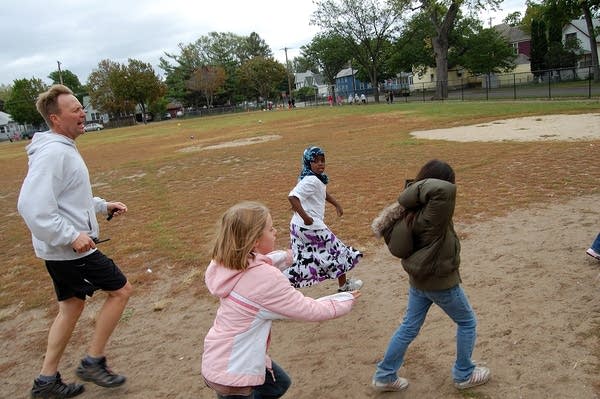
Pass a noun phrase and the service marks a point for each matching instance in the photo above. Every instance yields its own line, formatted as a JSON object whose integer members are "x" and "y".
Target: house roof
{"x": 581, "y": 26}
{"x": 5, "y": 118}
{"x": 521, "y": 59}
{"x": 345, "y": 72}
{"x": 309, "y": 78}
{"x": 512, "y": 33}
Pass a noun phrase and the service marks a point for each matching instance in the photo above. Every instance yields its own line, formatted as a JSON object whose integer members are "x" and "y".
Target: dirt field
{"x": 535, "y": 291}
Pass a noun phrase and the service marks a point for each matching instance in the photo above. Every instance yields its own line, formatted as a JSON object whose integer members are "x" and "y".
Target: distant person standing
{"x": 57, "y": 205}
{"x": 363, "y": 98}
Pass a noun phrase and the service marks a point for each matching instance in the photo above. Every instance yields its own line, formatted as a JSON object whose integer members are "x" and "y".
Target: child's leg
{"x": 342, "y": 280}
{"x": 276, "y": 384}
{"x": 456, "y": 305}
{"x": 596, "y": 244}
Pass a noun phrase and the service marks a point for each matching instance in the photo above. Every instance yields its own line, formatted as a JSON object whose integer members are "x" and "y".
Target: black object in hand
{"x": 110, "y": 214}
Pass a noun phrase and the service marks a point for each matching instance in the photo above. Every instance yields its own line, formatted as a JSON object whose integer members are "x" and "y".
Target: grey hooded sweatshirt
{"x": 56, "y": 199}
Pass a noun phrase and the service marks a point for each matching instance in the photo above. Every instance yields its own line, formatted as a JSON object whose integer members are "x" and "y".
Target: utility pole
{"x": 59, "y": 72}
{"x": 353, "y": 81}
{"x": 287, "y": 68}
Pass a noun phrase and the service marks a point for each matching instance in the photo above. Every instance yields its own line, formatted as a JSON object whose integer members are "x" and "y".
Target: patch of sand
{"x": 235, "y": 143}
{"x": 530, "y": 128}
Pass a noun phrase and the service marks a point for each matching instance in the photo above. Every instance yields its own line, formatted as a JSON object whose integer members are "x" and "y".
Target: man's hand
{"x": 83, "y": 243}
{"x": 115, "y": 209}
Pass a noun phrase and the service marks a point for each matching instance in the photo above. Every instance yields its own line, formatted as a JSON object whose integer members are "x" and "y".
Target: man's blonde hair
{"x": 241, "y": 226}
{"x": 47, "y": 102}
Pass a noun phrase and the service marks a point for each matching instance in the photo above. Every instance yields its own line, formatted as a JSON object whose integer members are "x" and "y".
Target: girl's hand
{"x": 308, "y": 221}
{"x": 356, "y": 294}
{"x": 339, "y": 210}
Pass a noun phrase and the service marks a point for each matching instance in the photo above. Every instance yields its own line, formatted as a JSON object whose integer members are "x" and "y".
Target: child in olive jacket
{"x": 420, "y": 231}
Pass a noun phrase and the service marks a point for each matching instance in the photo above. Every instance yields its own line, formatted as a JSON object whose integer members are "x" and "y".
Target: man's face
{"x": 70, "y": 119}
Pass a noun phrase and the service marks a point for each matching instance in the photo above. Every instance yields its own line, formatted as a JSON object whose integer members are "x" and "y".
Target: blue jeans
{"x": 272, "y": 388}
{"x": 454, "y": 302}
{"x": 596, "y": 244}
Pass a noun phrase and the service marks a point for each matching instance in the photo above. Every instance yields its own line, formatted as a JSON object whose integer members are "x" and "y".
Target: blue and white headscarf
{"x": 309, "y": 156}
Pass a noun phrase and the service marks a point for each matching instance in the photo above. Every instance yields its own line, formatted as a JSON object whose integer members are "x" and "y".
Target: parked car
{"x": 90, "y": 127}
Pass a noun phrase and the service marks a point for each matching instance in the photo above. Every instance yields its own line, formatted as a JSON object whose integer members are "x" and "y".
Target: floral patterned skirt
{"x": 318, "y": 255}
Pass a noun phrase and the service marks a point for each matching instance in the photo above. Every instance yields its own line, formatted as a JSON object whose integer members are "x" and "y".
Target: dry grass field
{"x": 176, "y": 188}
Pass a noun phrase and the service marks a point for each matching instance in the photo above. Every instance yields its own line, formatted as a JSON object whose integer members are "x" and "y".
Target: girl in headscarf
{"x": 317, "y": 253}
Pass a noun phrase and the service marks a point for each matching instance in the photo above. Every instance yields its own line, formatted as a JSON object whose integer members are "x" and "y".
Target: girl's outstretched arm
{"x": 329, "y": 198}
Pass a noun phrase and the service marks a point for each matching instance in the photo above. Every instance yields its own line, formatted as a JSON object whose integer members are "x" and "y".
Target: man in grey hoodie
{"x": 59, "y": 209}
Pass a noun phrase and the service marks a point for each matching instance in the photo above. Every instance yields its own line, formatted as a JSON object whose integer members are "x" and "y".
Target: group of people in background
{"x": 255, "y": 283}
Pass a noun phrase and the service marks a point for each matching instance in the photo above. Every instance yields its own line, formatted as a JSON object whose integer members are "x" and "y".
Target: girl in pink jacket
{"x": 245, "y": 274}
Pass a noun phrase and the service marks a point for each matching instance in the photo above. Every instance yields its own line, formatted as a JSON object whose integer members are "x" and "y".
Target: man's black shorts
{"x": 83, "y": 276}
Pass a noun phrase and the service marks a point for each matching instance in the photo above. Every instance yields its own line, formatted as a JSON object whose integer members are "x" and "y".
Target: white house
{"x": 10, "y": 129}
{"x": 577, "y": 29}
{"x": 310, "y": 79}
{"x": 92, "y": 115}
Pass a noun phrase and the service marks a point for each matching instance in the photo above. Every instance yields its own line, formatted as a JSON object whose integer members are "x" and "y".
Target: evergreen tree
{"x": 539, "y": 46}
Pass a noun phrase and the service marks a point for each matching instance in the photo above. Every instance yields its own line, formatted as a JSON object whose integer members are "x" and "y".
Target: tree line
{"x": 379, "y": 38}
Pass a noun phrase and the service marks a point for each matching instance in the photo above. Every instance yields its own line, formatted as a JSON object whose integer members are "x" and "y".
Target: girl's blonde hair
{"x": 241, "y": 226}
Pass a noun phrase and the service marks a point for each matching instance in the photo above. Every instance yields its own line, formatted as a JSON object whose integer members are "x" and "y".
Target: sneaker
{"x": 99, "y": 374}
{"x": 55, "y": 389}
{"x": 593, "y": 253}
{"x": 351, "y": 285}
{"x": 399, "y": 385}
{"x": 480, "y": 376}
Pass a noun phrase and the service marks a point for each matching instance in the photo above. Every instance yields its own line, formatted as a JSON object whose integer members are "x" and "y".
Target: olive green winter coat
{"x": 430, "y": 248}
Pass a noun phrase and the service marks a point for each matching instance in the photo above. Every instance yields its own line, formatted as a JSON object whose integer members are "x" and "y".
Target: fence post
{"x": 589, "y": 82}
{"x": 550, "y": 85}
{"x": 514, "y": 86}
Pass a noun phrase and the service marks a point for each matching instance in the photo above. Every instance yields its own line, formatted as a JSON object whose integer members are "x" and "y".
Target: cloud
{"x": 81, "y": 33}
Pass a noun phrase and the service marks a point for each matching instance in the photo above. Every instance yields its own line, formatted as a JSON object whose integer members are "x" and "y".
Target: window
{"x": 570, "y": 37}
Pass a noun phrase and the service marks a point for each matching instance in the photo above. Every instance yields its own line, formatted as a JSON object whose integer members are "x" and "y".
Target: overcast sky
{"x": 80, "y": 33}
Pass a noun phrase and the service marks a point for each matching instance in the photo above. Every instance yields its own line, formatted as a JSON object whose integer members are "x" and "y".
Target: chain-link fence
{"x": 547, "y": 84}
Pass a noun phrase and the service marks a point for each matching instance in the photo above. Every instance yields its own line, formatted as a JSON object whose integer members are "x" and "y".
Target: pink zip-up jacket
{"x": 235, "y": 348}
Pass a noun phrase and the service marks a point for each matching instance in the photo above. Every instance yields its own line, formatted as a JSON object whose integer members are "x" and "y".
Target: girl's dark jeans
{"x": 271, "y": 389}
